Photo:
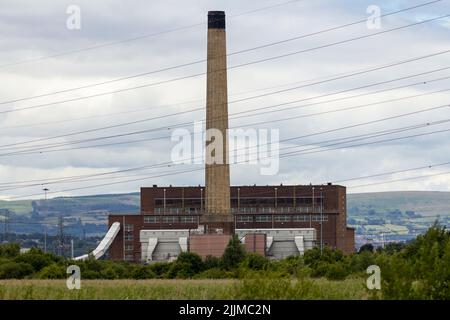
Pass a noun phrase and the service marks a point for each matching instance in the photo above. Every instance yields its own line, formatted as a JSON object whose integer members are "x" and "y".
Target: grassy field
{"x": 184, "y": 289}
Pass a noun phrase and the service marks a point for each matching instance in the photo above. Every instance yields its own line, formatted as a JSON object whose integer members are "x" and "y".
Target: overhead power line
{"x": 232, "y": 116}
{"x": 403, "y": 179}
{"x": 309, "y": 82}
{"x": 230, "y": 68}
{"x": 289, "y": 154}
{"x": 204, "y": 60}
{"x": 11, "y": 186}
{"x": 149, "y": 35}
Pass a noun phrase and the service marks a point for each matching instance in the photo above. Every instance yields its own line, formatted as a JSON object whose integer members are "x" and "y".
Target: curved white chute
{"x": 103, "y": 245}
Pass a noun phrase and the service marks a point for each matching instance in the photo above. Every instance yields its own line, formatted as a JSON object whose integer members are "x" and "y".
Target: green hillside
{"x": 427, "y": 203}
{"x": 395, "y": 215}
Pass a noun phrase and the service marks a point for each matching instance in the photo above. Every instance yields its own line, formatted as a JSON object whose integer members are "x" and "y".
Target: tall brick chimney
{"x": 217, "y": 174}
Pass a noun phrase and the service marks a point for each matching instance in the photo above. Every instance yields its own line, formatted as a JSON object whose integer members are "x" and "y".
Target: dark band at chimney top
{"x": 216, "y": 20}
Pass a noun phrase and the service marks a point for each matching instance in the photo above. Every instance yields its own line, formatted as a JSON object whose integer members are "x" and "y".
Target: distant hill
{"x": 427, "y": 203}
{"x": 396, "y": 215}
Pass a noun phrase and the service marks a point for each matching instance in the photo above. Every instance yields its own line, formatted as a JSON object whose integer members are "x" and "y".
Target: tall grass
{"x": 184, "y": 289}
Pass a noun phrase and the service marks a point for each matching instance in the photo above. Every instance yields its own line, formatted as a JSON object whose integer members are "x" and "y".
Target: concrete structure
{"x": 282, "y": 243}
{"x": 276, "y": 221}
{"x": 157, "y": 245}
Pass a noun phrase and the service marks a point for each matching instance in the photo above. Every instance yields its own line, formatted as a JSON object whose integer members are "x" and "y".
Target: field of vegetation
{"x": 417, "y": 270}
{"x": 174, "y": 289}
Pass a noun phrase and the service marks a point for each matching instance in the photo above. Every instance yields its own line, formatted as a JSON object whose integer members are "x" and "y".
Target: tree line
{"x": 418, "y": 269}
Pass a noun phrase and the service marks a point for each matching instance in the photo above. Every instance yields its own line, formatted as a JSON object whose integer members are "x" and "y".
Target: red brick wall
{"x": 256, "y": 243}
{"x": 209, "y": 244}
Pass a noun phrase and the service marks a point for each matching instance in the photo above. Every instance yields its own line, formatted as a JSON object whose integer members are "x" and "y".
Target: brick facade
{"x": 251, "y": 207}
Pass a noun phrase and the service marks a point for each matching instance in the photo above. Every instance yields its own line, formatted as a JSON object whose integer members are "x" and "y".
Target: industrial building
{"x": 171, "y": 216}
{"x": 275, "y": 221}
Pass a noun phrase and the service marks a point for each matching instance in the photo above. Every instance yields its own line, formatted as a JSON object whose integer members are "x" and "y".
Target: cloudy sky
{"x": 70, "y": 141}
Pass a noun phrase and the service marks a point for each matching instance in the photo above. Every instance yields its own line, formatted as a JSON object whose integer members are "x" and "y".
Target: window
{"x": 169, "y": 219}
{"x": 244, "y": 219}
{"x": 129, "y": 247}
{"x": 129, "y": 227}
{"x": 263, "y": 218}
{"x": 150, "y": 219}
{"x": 303, "y": 209}
{"x": 282, "y": 218}
{"x": 187, "y": 219}
{"x": 317, "y": 217}
{"x": 301, "y": 218}
{"x": 129, "y": 237}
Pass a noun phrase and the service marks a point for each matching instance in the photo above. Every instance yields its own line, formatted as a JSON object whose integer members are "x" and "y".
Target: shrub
{"x": 192, "y": 259}
{"x": 143, "y": 272}
{"x": 15, "y": 270}
{"x": 212, "y": 262}
{"x": 53, "y": 271}
{"x": 109, "y": 273}
{"x": 336, "y": 271}
{"x": 214, "y": 273}
{"x": 9, "y": 250}
{"x": 320, "y": 269}
{"x": 36, "y": 260}
{"x": 255, "y": 261}
{"x": 160, "y": 269}
{"x": 90, "y": 274}
{"x": 180, "y": 270}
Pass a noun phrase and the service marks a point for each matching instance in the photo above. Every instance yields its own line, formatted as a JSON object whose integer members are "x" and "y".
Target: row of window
{"x": 282, "y": 218}
{"x": 239, "y": 210}
{"x": 243, "y": 201}
{"x": 274, "y": 210}
{"x": 177, "y": 210}
{"x": 170, "y": 219}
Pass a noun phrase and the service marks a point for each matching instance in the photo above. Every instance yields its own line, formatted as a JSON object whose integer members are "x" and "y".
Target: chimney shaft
{"x": 217, "y": 174}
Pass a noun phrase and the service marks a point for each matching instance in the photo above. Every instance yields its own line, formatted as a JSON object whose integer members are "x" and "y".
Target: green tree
{"x": 53, "y": 271}
{"x": 187, "y": 265}
{"x": 15, "y": 270}
{"x": 234, "y": 253}
{"x": 36, "y": 260}
{"x": 366, "y": 247}
{"x": 9, "y": 250}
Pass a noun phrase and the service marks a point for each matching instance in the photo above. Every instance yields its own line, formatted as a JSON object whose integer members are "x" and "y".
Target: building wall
{"x": 181, "y": 208}
{"x": 255, "y": 243}
{"x": 209, "y": 244}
